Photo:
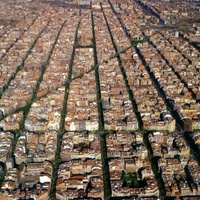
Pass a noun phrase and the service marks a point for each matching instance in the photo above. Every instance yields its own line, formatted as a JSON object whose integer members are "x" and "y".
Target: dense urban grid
{"x": 99, "y": 99}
